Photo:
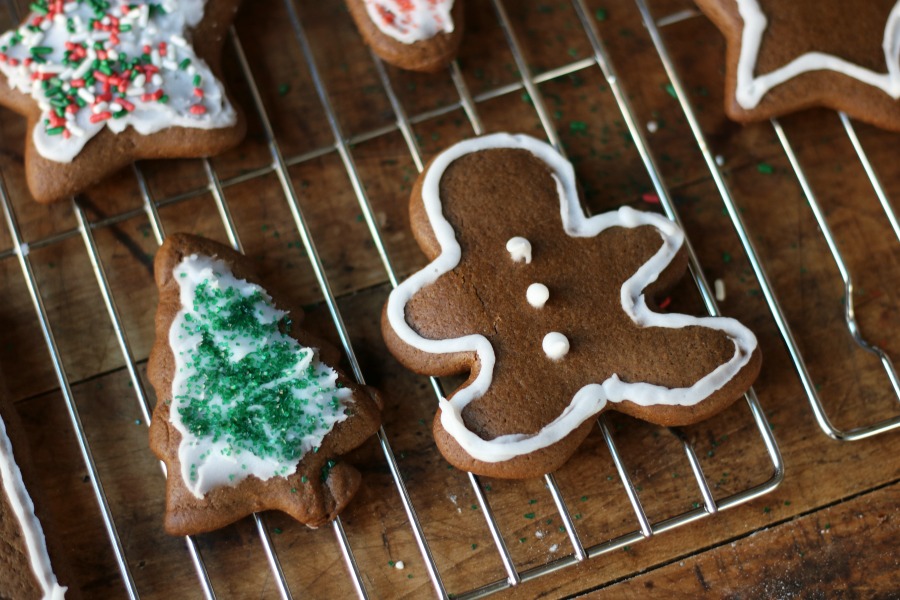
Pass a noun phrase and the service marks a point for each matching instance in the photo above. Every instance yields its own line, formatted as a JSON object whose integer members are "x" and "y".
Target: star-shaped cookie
{"x": 787, "y": 56}
{"x": 250, "y": 415}
{"x": 105, "y": 83}
{"x": 550, "y": 312}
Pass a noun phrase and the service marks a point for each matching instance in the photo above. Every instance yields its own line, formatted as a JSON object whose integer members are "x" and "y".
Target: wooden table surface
{"x": 832, "y": 524}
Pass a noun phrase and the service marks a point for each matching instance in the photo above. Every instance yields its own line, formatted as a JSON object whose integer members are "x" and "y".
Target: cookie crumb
{"x": 720, "y": 290}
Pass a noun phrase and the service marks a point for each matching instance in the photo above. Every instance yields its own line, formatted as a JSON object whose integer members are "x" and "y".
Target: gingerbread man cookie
{"x": 787, "y": 56}
{"x": 418, "y": 35}
{"x": 550, "y": 312}
{"x": 105, "y": 83}
{"x": 250, "y": 416}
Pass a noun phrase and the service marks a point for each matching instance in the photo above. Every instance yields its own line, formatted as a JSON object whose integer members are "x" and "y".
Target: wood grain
{"x": 819, "y": 472}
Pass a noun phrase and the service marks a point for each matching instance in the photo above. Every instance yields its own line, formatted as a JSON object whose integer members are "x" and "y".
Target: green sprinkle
{"x": 584, "y": 498}
{"x": 304, "y": 479}
{"x": 532, "y": 501}
{"x": 529, "y": 515}
{"x": 391, "y": 563}
{"x": 277, "y": 531}
{"x": 600, "y": 14}
{"x": 670, "y": 90}
{"x": 765, "y": 168}
{"x": 523, "y": 540}
{"x": 766, "y": 509}
{"x": 827, "y": 525}
{"x": 283, "y": 89}
{"x": 474, "y": 546}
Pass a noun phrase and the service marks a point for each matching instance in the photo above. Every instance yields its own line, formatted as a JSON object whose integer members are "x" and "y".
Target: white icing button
{"x": 519, "y": 249}
{"x": 537, "y": 295}
{"x": 556, "y": 345}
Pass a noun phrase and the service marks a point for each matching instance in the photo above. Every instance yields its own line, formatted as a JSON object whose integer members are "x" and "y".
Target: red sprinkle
{"x": 665, "y": 303}
{"x": 198, "y": 109}
{"x": 198, "y": 92}
{"x": 101, "y": 117}
{"x": 650, "y": 198}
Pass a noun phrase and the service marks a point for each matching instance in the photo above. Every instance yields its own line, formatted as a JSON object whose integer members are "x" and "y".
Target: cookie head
{"x": 549, "y": 342}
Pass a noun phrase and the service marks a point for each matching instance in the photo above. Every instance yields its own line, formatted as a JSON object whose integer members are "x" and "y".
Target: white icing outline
{"x": 425, "y": 21}
{"x": 23, "y": 510}
{"x": 750, "y": 89}
{"x": 592, "y": 398}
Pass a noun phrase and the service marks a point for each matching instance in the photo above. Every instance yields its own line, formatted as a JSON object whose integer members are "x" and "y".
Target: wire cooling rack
{"x": 342, "y": 146}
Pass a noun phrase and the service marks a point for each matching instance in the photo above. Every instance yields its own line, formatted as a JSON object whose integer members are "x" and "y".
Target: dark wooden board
{"x": 819, "y": 472}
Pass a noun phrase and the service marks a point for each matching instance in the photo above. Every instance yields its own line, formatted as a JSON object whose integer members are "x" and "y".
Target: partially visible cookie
{"x": 787, "y": 56}
{"x": 549, "y": 311}
{"x": 25, "y": 569}
{"x": 103, "y": 84}
{"x": 418, "y": 35}
{"x": 249, "y": 414}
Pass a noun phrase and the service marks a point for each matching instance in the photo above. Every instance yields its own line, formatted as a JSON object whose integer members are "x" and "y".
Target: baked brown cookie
{"x": 788, "y": 56}
{"x": 550, "y": 312}
{"x": 25, "y": 569}
{"x": 103, "y": 87}
{"x": 249, "y": 415}
{"x": 418, "y": 35}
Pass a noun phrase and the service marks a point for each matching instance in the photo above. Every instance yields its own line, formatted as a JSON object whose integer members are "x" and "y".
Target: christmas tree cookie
{"x": 250, "y": 415}
{"x": 418, "y": 35}
{"x": 106, "y": 82}
{"x": 549, "y": 311}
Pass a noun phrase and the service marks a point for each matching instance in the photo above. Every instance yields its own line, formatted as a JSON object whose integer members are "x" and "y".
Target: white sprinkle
{"x": 539, "y": 534}
{"x": 652, "y": 126}
{"x": 519, "y": 249}
{"x": 115, "y": 107}
{"x": 156, "y": 80}
{"x": 453, "y": 498}
{"x": 24, "y": 249}
{"x": 86, "y": 95}
{"x": 178, "y": 41}
{"x": 720, "y": 290}
{"x": 555, "y": 345}
{"x": 75, "y": 129}
{"x": 554, "y": 547}
{"x": 399, "y": 565}
{"x": 537, "y": 295}
{"x": 720, "y": 160}
{"x": 99, "y": 108}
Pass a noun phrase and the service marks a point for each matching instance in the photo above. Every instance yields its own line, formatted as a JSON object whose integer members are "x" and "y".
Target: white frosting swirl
{"x": 410, "y": 21}
{"x": 591, "y": 398}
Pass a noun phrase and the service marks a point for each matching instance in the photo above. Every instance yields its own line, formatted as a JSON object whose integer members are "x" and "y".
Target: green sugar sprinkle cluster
{"x": 249, "y": 385}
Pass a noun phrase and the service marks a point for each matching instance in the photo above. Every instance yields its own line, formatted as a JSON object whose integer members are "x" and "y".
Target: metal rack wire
{"x": 342, "y": 146}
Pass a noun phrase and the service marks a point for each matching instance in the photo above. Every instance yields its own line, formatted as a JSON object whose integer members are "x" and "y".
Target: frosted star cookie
{"x": 418, "y": 35}
{"x": 104, "y": 83}
{"x": 787, "y": 56}
{"x": 250, "y": 415}
{"x": 551, "y": 312}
